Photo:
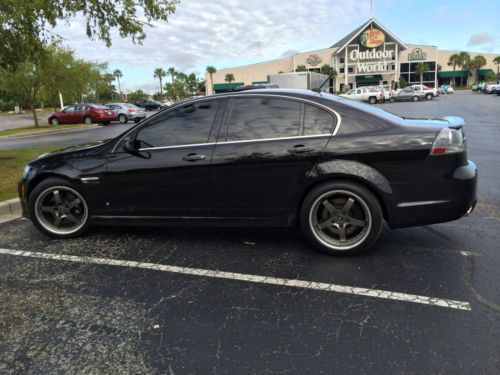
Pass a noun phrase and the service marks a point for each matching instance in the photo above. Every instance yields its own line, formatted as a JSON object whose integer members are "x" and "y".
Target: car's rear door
{"x": 79, "y": 114}
{"x": 264, "y": 152}
{"x": 170, "y": 176}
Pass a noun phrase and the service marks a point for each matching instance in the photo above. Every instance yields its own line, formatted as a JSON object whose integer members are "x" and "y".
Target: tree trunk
{"x": 161, "y": 87}
{"x": 35, "y": 117}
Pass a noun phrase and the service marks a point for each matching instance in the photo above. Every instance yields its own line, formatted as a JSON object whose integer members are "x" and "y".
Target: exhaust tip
{"x": 471, "y": 208}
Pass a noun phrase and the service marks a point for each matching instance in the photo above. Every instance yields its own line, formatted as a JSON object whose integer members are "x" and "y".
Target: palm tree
{"x": 476, "y": 64}
{"x": 160, "y": 74}
{"x": 118, "y": 74}
{"x": 421, "y": 69}
{"x": 172, "y": 73}
{"x": 229, "y": 78}
{"x": 463, "y": 62}
{"x": 496, "y": 60}
{"x": 454, "y": 61}
{"x": 211, "y": 71}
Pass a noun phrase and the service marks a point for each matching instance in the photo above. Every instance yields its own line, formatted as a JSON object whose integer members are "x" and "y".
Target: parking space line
{"x": 327, "y": 287}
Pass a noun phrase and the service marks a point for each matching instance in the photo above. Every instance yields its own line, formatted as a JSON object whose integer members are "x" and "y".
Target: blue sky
{"x": 226, "y": 33}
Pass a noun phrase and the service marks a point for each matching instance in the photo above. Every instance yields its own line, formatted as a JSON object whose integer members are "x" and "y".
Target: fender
{"x": 351, "y": 168}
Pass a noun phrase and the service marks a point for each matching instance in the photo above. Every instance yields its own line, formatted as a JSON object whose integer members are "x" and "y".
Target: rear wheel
{"x": 372, "y": 100}
{"x": 87, "y": 120}
{"x": 341, "y": 218}
{"x": 123, "y": 119}
{"x": 57, "y": 209}
{"x": 415, "y": 99}
{"x": 54, "y": 121}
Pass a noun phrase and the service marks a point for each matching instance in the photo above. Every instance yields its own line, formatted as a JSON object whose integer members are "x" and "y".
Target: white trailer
{"x": 300, "y": 80}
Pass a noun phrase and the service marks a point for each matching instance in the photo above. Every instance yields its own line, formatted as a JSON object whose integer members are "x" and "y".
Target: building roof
{"x": 350, "y": 36}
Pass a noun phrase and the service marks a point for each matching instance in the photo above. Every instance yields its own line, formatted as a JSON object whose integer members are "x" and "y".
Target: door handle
{"x": 300, "y": 149}
{"x": 193, "y": 157}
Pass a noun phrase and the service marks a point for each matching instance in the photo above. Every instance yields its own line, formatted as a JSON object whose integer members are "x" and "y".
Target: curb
{"x": 27, "y": 135}
{"x": 11, "y": 207}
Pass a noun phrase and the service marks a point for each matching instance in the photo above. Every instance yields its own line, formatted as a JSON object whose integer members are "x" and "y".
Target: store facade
{"x": 369, "y": 55}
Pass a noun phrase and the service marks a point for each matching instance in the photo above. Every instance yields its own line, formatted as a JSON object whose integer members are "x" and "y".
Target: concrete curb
{"x": 28, "y": 135}
{"x": 11, "y": 207}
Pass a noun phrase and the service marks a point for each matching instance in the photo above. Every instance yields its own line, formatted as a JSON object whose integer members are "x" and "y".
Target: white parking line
{"x": 376, "y": 293}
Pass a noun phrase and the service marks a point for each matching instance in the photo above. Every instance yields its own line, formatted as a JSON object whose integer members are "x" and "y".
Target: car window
{"x": 317, "y": 121}
{"x": 189, "y": 124}
{"x": 70, "y": 109}
{"x": 258, "y": 118}
{"x": 80, "y": 108}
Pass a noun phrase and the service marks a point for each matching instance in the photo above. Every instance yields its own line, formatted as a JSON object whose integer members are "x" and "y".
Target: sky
{"x": 229, "y": 33}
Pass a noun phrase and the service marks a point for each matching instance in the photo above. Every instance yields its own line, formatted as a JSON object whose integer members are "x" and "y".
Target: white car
{"x": 430, "y": 92}
{"x": 365, "y": 94}
{"x": 490, "y": 88}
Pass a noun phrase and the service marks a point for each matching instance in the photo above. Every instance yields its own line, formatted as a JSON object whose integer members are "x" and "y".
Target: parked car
{"x": 83, "y": 114}
{"x": 150, "y": 105}
{"x": 388, "y": 94}
{"x": 490, "y": 88}
{"x": 126, "y": 111}
{"x": 333, "y": 166}
{"x": 430, "y": 92}
{"x": 446, "y": 89}
{"x": 365, "y": 94}
{"x": 409, "y": 94}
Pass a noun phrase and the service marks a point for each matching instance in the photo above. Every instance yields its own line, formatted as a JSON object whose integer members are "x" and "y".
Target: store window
{"x": 350, "y": 69}
{"x": 342, "y": 70}
{"x": 405, "y": 68}
{"x": 342, "y": 60}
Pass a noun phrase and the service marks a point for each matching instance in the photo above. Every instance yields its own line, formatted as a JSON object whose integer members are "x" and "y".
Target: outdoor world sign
{"x": 370, "y": 67}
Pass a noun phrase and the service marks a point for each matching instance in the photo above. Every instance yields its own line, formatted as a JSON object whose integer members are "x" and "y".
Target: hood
{"x": 74, "y": 149}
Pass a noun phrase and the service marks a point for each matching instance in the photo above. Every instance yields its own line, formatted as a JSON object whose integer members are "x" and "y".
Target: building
{"x": 369, "y": 55}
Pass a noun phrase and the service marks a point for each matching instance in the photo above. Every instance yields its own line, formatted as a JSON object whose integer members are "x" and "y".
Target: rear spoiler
{"x": 454, "y": 122}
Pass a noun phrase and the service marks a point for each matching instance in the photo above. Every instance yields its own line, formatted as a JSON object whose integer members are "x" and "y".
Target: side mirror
{"x": 129, "y": 145}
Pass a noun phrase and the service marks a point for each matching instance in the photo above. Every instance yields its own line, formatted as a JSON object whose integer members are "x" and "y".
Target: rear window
{"x": 317, "y": 121}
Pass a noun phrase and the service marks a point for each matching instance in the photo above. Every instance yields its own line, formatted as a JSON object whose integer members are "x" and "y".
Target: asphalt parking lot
{"x": 190, "y": 300}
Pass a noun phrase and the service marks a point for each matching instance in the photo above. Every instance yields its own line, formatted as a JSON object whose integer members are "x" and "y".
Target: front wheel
{"x": 57, "y": 209}
{"x": 415, "y": 99}
{"x": 123, "y": 119}
{"x": 341, "y": 218}
{"x": 54, "y": 121}
{"x": 87, "y": 120}
{"x": 428, "y": 97}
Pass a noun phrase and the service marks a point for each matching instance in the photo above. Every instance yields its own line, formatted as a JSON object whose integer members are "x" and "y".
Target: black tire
{"x": 365, "y": 209}
{"x": 137, "y": 120}
{"x": 88, "y": 120}
{"x": 68, "y": 194}
{"x": 415, "y": 99}
{"x": 123, "y": 119}
{"x": 54, "y": 121}
{"x": 372, "y": 100}
{"x": 392, "y": 100}
{"x": 428, "y": 97}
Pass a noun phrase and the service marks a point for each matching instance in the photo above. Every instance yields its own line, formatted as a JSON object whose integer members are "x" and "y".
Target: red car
{"x": 83, "y": 114}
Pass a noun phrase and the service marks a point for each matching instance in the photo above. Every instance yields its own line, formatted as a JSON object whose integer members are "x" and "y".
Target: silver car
{"x": 127, "y": 111}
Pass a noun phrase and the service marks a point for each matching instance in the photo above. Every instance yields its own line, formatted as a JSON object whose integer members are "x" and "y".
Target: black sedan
{"x": 150, "y": 105}
{"x": 334, "y": 167}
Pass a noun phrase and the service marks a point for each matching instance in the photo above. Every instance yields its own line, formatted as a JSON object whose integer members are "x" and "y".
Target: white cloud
{"x": 223, "y": 33}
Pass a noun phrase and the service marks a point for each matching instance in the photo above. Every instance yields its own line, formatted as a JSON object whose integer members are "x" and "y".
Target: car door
{"x": 264, "y": 152}
{"x": 170, "y": 174}
{"x": 66, "y": 116}
{"x": 79, "y": 114}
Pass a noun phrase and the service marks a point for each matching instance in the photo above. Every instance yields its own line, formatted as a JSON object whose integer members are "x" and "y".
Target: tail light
{"x": 448, "y": 141}
{"x": 131, "y": 110}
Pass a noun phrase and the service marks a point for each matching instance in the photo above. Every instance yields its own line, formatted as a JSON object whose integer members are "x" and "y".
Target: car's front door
{"x": 265, "y": 149}
{"x": 170, "y": 175}
{"x": 66, "y": 116}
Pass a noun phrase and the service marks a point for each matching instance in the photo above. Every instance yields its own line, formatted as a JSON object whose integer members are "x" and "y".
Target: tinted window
{"x": 317, "y": 121}
{"x": 80, "y": 108}
{"x": 189, "y": 124}
{"x": 257, "y": 118}
{"x": 70, "y": 109}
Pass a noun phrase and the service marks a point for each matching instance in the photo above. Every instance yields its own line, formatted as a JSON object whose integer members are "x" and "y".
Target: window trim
{"x": 223, "y": 109}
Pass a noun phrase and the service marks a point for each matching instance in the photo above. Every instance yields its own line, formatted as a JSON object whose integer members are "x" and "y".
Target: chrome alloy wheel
{"x": 61, "y": 210}
{"x": 340, "y": 219}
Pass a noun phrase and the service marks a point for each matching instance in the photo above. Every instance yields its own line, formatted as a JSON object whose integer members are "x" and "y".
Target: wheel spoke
{"x": 348, "y": 205}
{"x": 357, "y": 222}
{"x": 72, "y": 218}
{"x": 57, "y": 221}
{"x": 324, "y": 224}
{"x": 329, "y": 207}
{"x": 49, "y": 209}
{"x": 57, "y": 197}
{"x": 342, "y": 233}
{"x": 73, "y": 203}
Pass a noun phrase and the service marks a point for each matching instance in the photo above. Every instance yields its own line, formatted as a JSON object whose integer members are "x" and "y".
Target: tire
{"x": 88, "y": 120}
{"x": 123, "y": 119}
{"x": 428, "y": 97}
{"x": 54, "y": 121}
{"x": 372, "y": 100}
{"x": 68, "y": 208}
{"x": 360, "y": 231}
{"x": 415, "y": 99}
{"x": 392, "y": 100}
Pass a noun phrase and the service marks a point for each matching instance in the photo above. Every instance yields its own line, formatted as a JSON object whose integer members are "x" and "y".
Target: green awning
{"x": 375, "y": 78}
{"x": 485, "y": 71}
{"x": 452, "y": 74}
{"x": 259, "y": 82}
{"x": 227, "y": 86}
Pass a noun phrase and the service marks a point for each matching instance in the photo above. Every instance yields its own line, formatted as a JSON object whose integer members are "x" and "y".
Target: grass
{"x": 12, "y": 164}
{"x": 27, "y": 112}
{"x": 42, "y": 129}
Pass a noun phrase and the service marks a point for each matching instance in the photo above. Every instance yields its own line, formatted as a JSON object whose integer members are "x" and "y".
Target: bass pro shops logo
{"x": 372, "y": 38}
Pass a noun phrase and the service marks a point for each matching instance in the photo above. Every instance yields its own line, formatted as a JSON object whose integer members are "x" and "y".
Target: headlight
{"x": 26, "y": 170}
